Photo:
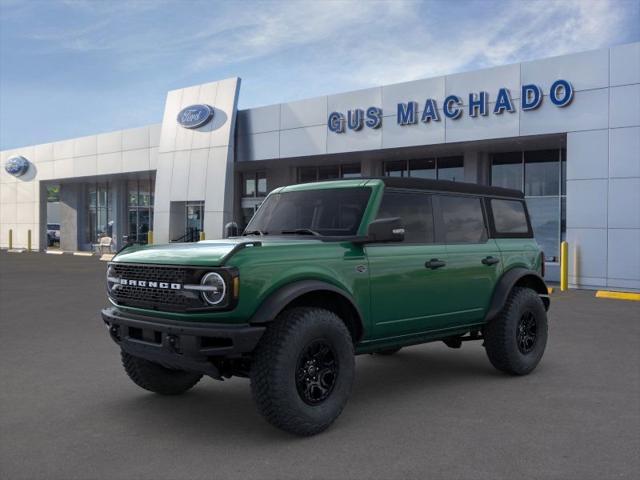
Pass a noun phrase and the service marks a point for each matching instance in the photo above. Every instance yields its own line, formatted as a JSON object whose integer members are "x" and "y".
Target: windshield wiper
{"x": 254, "y": 232}
{"x": 301, "y": 231}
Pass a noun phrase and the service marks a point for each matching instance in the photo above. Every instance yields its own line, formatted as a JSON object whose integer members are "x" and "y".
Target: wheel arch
{"x": 516, "y": 277}
{"x": 315, "y": 293}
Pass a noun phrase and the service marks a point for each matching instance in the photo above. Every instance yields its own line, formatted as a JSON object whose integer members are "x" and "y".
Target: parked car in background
{"x": 53, "y": 234}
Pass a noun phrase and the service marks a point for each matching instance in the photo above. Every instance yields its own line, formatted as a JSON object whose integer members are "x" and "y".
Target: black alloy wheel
{"x": 317, "y": 372}
{"x": 527, "y": 332}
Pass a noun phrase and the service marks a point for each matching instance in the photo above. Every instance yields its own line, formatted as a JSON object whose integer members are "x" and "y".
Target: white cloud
{"x": 384, "y": 41}
{"x": 531, "y": 30}
{"x": 288, "y": 26}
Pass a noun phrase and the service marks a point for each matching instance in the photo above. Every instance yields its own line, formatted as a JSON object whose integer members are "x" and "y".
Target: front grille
{"x": 150, "y": 272}
{"x": 167, "y": 299}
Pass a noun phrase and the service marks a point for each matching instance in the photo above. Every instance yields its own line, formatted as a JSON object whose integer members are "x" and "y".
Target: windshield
{"x": 330, "y": 212}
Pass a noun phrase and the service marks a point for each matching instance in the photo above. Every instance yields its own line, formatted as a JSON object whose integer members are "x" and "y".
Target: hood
{"x": 206, "y": 253}
{"x": 209, "y": 253}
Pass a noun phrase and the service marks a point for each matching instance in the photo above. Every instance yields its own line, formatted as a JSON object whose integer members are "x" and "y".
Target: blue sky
{"x": 78, "y": 67}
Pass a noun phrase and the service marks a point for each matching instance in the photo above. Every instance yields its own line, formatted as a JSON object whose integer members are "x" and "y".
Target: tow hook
{"x": 172, "y": 343}
{"x": 114, "y": 331}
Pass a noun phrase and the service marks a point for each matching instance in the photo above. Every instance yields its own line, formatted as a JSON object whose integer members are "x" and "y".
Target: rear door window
{"x": 415, "y": 212}
{"x": 509, "y": 216}
{"x": 462, "y": 219}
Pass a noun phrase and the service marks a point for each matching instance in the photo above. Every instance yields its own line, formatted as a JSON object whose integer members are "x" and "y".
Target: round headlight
{"x": 111, "y": 278}
{"x": 215, "y": 288}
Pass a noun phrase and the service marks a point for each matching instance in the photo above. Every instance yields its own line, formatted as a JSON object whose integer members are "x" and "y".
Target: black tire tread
{"x": 266, "y": 390}
{"x": 156, "y": 378}
{"x": 499, "y": 333}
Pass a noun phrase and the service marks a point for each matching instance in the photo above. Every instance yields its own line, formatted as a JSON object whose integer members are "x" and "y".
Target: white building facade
{"x": 564, "y": 130}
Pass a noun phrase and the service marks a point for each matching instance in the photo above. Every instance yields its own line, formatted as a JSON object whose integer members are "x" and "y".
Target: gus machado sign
{"x": 560, "y": 95}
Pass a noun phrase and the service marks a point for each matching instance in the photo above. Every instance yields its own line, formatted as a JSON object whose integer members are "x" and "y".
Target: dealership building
{"x": 564, "y": 130}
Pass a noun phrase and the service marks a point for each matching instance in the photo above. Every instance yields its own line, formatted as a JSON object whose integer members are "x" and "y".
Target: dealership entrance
{"x": 104, "y": 212}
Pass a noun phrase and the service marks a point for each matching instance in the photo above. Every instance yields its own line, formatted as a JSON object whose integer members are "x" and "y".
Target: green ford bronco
{"x": 326, "y": 271}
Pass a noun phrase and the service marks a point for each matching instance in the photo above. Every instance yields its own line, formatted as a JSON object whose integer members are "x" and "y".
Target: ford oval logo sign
{"x": 17, "y": 166}
{"x": 195, "y": 116}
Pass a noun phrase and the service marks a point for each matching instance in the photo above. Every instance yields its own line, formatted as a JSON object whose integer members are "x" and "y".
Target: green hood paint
{"x": 207, "y": 253}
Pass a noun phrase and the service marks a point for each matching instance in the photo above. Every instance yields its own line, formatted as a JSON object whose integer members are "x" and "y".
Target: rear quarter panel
{"x": 519, "y": 252}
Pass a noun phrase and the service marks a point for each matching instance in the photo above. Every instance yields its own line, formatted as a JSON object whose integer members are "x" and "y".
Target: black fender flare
{"x": 278, "y": 300}
{"x": 508, "y": 280}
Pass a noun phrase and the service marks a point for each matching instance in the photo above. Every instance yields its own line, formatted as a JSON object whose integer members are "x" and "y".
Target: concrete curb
{"x": 635, "y": 297}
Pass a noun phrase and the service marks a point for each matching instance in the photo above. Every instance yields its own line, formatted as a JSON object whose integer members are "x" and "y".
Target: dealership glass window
{"x": 254, "y": 184}
{"x": 398, "y": 168}
{"x": 140, "y": 209}
{"x": 100, "y": 212}
{"x": 541, "y": 175}
{"x": 507, "y": 171}
{"x": 451, "y": 168}
{"x": 328, "y": 172}
{"x": 563, "y": 172}
{"x": 307, "y": 174}
{"x": 443, "y": 168}
{"x": 424, "y": 168}
{"x": 351, "y": 171}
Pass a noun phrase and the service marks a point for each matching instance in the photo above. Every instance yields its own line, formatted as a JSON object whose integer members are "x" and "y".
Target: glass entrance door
{"x": 140, "y": 206}
{"x": 195, "y": 221}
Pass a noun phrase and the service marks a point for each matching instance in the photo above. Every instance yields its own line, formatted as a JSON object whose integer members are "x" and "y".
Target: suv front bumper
{"x": 186, "y": 346}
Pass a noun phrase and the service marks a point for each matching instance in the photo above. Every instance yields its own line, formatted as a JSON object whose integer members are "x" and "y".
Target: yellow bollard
{"x": 10, "y": 239}
{"x": 564, "y": 266}
{"x": 201, "y": 235}
{"x": 150, "y": 237}
{"x": 29, "y": 240}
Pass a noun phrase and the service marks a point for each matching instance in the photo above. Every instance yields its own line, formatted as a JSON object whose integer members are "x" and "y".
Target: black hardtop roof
{"x": 449, "y": 186}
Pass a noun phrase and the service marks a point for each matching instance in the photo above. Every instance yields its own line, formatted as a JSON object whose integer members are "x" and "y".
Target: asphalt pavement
{"x": 68, "y": 411}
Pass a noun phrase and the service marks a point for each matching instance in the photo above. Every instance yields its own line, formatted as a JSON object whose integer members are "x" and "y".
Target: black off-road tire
{"x": 388, "y": 351}
{"x": 156, "y": 378}
{"x": 509, "y": 350}
{"x": 279, "y": 361}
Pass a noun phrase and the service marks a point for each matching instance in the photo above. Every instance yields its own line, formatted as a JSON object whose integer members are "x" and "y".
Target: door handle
{"x": 434, "y": 263}
{"x": 490, "y": 260}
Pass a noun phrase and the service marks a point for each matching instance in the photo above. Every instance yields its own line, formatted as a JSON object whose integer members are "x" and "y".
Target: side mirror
{"x": 231, "y": 230}
{"x": 385, "y": 230}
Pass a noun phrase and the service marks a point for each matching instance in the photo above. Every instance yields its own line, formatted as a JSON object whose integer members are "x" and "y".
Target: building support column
{"x": 70, "y": 209}
{"x": 42, "y": 242}
{"x": 371, "y": 168}
{"x": 477, "y": 168}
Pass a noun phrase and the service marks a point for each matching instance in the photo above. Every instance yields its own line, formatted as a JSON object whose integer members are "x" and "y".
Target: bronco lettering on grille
{"x": 150, "y": 284}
